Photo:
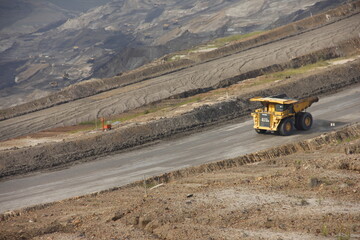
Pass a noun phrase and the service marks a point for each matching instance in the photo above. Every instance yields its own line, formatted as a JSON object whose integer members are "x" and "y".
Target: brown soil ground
{"x": 313, "y": 193}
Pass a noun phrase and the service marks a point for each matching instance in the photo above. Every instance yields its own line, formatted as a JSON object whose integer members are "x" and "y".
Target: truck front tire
{"x": 286, "y": 127}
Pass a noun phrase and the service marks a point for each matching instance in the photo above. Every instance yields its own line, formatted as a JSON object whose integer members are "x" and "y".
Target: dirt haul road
{"x": 221, "y": 143}
{"x": 199, "y": 76}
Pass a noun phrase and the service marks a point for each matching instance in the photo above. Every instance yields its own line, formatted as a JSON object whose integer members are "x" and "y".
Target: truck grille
{"x": 264, "y": 120}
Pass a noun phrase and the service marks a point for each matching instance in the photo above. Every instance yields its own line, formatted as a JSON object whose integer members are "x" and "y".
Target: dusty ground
{"x": 200, "y": 76}
{"x": 312, "y": 194}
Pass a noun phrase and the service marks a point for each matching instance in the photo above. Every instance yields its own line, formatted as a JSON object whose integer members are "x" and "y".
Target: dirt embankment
{"x": 345, "y": 48}
{"x": 92, "y": 87}
{"x": 18, "y": 161}
{"x": 288, "y": 30}
{"x": 305, "y": 190}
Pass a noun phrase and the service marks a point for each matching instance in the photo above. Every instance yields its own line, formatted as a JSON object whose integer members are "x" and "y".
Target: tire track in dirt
{"x": 157, "y": 88}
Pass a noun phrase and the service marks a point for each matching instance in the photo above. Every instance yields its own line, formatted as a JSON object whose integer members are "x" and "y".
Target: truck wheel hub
{"x": 288, "y": 126}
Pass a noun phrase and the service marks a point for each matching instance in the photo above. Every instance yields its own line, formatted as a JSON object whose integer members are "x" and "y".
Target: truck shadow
{"x": 320, "y": 126}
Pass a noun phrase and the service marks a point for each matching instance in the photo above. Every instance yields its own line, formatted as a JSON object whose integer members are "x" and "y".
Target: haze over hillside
{"x": 21, "y": 16}
{"x": 48, "y": 45}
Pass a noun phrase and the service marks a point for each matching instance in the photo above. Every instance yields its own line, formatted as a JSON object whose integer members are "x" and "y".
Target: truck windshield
{"x": 281, "y": 107}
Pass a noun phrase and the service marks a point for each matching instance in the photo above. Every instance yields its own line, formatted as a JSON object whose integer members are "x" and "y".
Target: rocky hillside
{"x": 21, "y": 16}
{"x": 47, "y": 45}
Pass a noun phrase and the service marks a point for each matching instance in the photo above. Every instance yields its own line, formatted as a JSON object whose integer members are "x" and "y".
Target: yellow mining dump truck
{"x": 281, "y": 114}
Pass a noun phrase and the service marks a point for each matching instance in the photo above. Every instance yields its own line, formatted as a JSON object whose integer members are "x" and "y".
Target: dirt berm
{"x": 92, "y": 87}
{"x": 19, "y": 161}
{"x": 345, "y": 48}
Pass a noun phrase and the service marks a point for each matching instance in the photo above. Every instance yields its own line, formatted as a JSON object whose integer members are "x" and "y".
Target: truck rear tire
{"x": 304, "y": 121}
{"x": 286, "y": 127}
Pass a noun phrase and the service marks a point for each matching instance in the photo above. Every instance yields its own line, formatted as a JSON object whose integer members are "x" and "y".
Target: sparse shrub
{"x": 343, "y": 236}
{"x": 298, "y": 164}
{"x": 304, "y": 202}
{"x": 314, "y": 182}
{"x": 324, "y": 230}
{"x": 344, "y": 166}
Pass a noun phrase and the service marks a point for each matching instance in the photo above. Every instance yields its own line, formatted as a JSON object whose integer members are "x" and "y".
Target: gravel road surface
{"x": 217, "y": 144}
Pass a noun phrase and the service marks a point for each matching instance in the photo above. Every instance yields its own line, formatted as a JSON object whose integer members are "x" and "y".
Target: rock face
{"x": 53, "y": 46}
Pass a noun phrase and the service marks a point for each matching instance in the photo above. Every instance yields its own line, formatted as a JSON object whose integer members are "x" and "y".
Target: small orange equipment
{"x": 105, "y": 127}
